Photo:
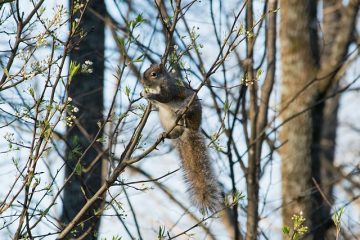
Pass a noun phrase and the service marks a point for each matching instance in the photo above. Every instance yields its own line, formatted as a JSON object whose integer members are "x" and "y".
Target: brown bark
{"x": 307, "y": 78}
{"x": 299, "y": 56}
{"x": 253, "y": 171}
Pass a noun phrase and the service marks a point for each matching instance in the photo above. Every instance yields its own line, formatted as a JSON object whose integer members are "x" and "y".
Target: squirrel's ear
{"x": 161, "y": 67}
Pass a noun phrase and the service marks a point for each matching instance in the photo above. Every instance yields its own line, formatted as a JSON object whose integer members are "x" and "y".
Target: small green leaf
{"x": 127, "y": 91}
{"x": 32, "y": 93}
{"x": 101, "y": 140}
{"x": 44, "y": 212}
{"x": 78, "y": 169}
{"x": 116, "y": 237}
{"x": 337, "y": 217}
{"x": 121, "y": 42}
{"x": 139, "y": 19}
{"x": 74, "y": 69}
{"x": 227, "y": 106}
{"x": 6, "y": 72}
{"x": 286, "y": 230}
{"x": 136, "y": 22}
{"x": 258, "y": 73}
{"x": 139, "y": 58}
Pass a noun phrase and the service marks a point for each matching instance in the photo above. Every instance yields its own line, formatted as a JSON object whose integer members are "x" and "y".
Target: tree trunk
{"x": 299, "y": 58}
{"x": 86, "y": 90}
{"x": 304, "y": 109}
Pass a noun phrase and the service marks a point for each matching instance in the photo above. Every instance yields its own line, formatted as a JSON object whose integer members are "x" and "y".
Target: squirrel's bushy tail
{"x": 203, "y": 186}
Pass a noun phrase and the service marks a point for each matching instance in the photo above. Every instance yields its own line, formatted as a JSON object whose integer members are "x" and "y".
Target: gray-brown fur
{"x": 170, "y": 95}
{"x": 157, "y": 77}
{"x": 199, "y": 175}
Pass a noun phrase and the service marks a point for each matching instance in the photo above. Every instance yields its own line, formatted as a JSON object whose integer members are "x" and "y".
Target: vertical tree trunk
{"x": 305, "y": 84}
{"x": 299, "y": 58}
{"x": 86, "y": 90}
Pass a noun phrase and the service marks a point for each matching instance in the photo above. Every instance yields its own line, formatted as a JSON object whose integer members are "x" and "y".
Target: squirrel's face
{"x": 152, "y": 76}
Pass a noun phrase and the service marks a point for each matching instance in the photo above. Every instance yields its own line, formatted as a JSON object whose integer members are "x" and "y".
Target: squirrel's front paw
{"x": 144, "y": 94}
{"x": 163, "y": 135}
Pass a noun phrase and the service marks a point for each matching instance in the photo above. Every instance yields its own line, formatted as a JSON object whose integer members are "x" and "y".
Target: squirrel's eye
{"x": 153, "y": 74}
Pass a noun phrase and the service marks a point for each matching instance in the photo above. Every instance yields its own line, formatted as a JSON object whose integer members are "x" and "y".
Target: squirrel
{"x": 170, "y": 95}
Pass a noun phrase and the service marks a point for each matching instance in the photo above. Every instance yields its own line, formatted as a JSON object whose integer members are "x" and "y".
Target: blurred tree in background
{"x": 85, "y": 168}
{"x": 313, "y": 60}
{"x": 278, "y": 82}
